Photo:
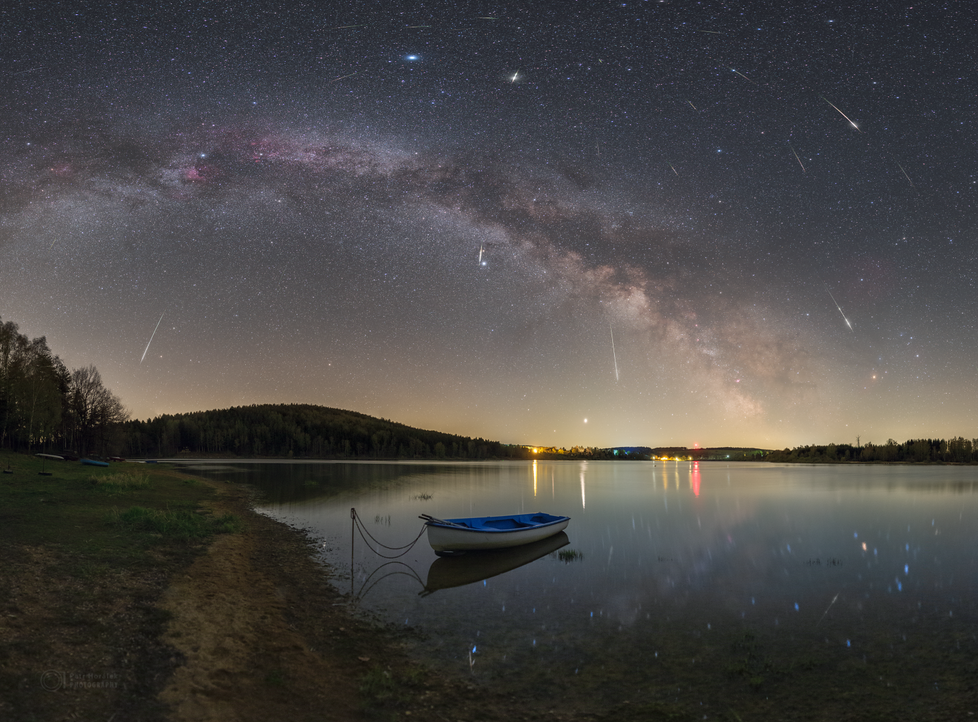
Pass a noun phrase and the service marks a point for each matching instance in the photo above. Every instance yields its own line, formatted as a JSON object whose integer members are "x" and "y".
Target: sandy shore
{"x": 264, "y": 636}
{"x": 103, "y": 621}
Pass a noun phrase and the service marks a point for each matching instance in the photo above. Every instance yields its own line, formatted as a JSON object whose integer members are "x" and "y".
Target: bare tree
{"x": 95, "y": 409}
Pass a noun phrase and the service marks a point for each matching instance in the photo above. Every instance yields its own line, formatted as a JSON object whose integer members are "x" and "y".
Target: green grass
{"x": 122, "y": 481}
{"x": 381, "y": 688}
{"x": 378, "y": 686}
{"x": 179, "y": 524}
{"x": 96, "y": 546}
{"x": 69, "y": 509}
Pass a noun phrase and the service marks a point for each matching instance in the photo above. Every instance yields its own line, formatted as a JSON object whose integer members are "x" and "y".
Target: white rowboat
{"x": 453, "y": 536}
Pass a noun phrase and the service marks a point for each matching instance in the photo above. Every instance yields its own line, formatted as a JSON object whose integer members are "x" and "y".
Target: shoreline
{"x": 103, "y": 617}
{"x": 260, "y": 628}
{"x": 216, "y": 459}
{"x": 265, "y": 635}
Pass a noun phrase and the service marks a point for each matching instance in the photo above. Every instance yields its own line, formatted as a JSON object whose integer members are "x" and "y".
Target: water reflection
{"x": 448, "y": 572}
{"x": 748, "y": 587}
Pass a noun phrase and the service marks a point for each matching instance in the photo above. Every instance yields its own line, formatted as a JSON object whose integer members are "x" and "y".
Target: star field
{"x": 441, "y": 213}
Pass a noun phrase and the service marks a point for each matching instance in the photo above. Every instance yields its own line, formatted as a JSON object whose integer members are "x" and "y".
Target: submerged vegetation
{"x": 570, "y": 555}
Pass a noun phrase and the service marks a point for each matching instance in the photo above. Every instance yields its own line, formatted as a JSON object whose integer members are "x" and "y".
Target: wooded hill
{"x": 720, "y": 453}
{"x": 301, "y": 431}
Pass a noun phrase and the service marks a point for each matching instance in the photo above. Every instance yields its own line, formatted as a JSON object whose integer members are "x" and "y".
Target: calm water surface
{"x": 709, "y": 590}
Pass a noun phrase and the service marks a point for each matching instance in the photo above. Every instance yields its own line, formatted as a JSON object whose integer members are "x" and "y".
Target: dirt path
{"x": 266, "y": 637}
{"x": 235, "y": 614}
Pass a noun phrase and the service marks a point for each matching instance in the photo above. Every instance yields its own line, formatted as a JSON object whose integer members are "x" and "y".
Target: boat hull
{"x": 93, "y": 462}
{"x": 476, "y": 566}
{"x": 494, "y": 532}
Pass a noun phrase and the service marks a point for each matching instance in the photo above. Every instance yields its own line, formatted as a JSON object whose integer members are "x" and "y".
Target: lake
{"x": 702, "y": 590}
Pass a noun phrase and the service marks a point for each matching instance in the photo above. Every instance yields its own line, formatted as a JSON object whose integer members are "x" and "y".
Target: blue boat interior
{"x": 507, "y": 523}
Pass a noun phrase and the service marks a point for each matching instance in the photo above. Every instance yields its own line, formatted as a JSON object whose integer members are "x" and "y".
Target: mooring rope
{"x": 358, "y": 523}
{"x": 410, "y": 573}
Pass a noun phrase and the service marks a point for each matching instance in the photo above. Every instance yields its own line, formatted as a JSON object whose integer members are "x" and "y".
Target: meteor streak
{"x": 840, "y": 311}
{"x": 841, "y": 113}
{"x": 151, "y": 336}
{"x": 827, "y": 609}
{"x": 613, "y": 353}
{"x": 753, "y": 83}
{"x": 904, "y": 173}
{"x": 799, "y": 160}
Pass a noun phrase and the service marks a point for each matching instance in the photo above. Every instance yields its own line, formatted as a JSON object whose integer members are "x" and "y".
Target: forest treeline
{"x": 44, "y": 406}
{"x": 957, "y": 450}
{"x": 301, "y": 431}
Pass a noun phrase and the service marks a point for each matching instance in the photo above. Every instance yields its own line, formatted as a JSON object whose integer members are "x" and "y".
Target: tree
{"x": 94, "y": 409}
{"x": 9, "y": 338}
{"x": 37, "y": 394}
{"x": 30, "y": 389}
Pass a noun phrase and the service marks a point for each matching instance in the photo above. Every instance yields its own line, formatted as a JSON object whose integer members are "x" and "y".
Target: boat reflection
{"x": 475, "y": 566}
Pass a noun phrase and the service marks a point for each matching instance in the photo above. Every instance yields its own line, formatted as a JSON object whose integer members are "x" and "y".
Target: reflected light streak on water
{"x": 759, "y": 550}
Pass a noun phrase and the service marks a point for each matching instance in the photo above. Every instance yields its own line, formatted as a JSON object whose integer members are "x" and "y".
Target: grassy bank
{"x": 86, "y": 553}
{"x": 134, "y": 592}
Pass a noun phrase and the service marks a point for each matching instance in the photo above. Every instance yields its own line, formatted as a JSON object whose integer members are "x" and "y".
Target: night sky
{"x": 565, "y": 223}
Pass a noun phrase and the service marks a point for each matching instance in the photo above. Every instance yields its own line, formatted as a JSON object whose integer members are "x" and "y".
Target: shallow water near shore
{"x": 698, "y": 590}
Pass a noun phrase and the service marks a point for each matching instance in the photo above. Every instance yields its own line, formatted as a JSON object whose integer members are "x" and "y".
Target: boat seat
{"x": 505, "y": 524}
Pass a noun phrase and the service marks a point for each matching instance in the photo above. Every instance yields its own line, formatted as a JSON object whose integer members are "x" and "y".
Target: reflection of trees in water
{"x": 292, "y": 481}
